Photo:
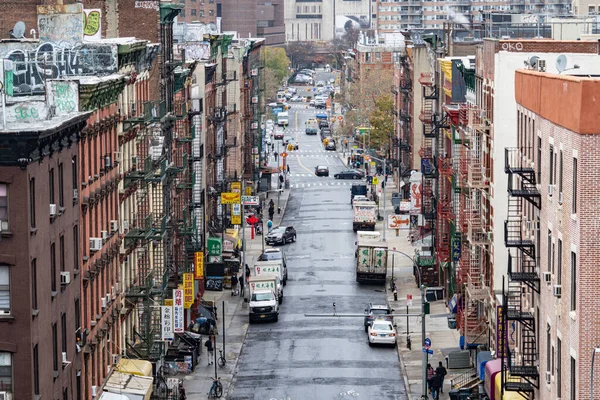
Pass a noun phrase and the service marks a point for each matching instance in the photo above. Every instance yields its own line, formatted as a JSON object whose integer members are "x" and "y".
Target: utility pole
{"x": 244, "y": 238}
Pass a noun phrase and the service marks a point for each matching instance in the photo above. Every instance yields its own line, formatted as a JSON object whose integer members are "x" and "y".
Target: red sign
{"x": 252, "y": 220}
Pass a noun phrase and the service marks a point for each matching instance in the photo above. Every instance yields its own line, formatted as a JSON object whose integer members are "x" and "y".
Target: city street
{"x": 319, "y": 358}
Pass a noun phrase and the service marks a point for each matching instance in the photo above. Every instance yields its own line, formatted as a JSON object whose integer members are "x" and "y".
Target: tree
{"x": 300, "y": 53}
{"x": 382, "y": 122}
{"x": 277, "y": 61}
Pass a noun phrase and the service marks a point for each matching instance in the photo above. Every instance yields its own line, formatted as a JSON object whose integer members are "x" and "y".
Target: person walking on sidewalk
{"x": 241, "y": 285}
{"x": 436, "y": 383}
{"x": 234, "y": 285}
{"x": 430, "y": 373}
{"x": 441, "y": 371}
{"x": 288, "y": 168}
{"x": 247, "y": 272}
{"x": 209, "y": 349}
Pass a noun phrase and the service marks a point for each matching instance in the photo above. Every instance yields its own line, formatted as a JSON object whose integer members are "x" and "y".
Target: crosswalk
{"x": 319, "y": 184}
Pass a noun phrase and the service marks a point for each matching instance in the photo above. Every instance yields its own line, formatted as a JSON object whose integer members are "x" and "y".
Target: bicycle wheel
{"x": 218, "y": 389}
{"x": 222, "y": 361}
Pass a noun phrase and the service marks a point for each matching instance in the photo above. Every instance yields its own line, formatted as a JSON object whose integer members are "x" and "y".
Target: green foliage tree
{"x": 382, "y": 122}
{"x": 277, "y": 61}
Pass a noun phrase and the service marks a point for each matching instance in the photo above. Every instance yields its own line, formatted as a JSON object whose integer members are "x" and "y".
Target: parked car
{"x": 382, "y": 331}
{"x": 281, "y": 235}
{"x": 311, "y": 103}
{"x": 320, "y": 104}
{"x": 320, "y": 83}
{"x": 359, "y": 198}
{"x": 325, "y": 132}
{"x": 376, "y": 310}
{"x": 349, "y": 174}
{"x": 330, "y": 145}
{"x": 321, "y": 170}
{"x": 278, "y": 134}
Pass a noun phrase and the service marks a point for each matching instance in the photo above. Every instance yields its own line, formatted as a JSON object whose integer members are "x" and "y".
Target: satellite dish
{"x": 533, "y": 61}
{"x": 19, "y": 30}
{"x": 561, "y": 63}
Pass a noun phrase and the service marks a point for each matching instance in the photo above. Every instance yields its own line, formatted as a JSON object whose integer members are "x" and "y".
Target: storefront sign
{"x": 228, "y": 246}
{"x": 236, "y": 214}
{"x": 188, "y": 290}
{"x": 416, "y": 185}
{"x": 215, "y": 246}
{"x": 166, "y": 319}
{"x": 230, "y": 198}
{"x": 215, "y": 259}
{"x": 399, "y": 221}
{"x": 199, "y": 265}
{"x": 500, "y": 333}
{"x": 250, "y": 200}
{"x": 236, "y": 187}
{"x": 456, "y": 248}
{"x": 178, "y": 311}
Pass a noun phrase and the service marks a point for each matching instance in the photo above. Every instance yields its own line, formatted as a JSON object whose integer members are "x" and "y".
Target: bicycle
{"x": 216, "y": 390}
{"x": 222, "y": 360}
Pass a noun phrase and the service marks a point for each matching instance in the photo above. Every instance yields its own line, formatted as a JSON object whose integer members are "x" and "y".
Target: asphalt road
{"x": 318, "y": 358}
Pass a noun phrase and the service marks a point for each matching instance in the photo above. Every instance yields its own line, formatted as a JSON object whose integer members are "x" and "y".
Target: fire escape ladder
{"x": 521, "y": 176}
{"x": 428, "y": 200}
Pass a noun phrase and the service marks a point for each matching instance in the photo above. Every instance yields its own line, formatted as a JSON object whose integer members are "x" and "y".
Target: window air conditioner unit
{"x": 557, "y": 291}
{"x": 113, "y": 292}
{"x": 548, "y": 377}
{"x": 64, "y": 357}
{"x": 75, "y": 195}
{"x": 547, "y": 277}
{"x": 116, "y": 287}
{"x": 116, "y": 358}
{"x": 126, "y": 225}
{"x": 560, "y": 198}
{"x": 95, "y": 244}
{"x": 107, "y": 162}
{"x": 52, "y": 210}
{"x": 104, "y": 234}
{"x": 108, "y": 298}
{"x": 114, "y": 226}
{"x": 117, "y": 157}
{"x": 104, "y": 304}
{"x": 94, "y": 391}
{"x": 65, "y": 278}
{"x": 550, "y": 188}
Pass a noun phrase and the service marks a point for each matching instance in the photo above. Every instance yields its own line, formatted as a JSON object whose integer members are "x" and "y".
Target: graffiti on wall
{"x": 34, "y": 65}
{"x": 62, "y": 96}
{"x": 26, "y": 112}
{"x": 60, "y": 23}
{"x": 92, "y": 22}
{"x": 195, "y": 51}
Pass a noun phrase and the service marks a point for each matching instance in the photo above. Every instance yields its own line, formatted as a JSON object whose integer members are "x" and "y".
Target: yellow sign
{"x": 236, "y": 220}
{"x": 375, "y": 180}
{"x": 169, "y": 302}
{"x": 188, "y": 290}
{"x": 248, "y": 190}
{"x": 373, "y": 163}
{"x": 230, "y": 198}
{"x": 199, "y": 265}
{"x": 236, "y": 187}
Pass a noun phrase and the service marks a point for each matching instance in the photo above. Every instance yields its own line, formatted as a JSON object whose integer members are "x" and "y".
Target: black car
{"x": 349, "y": 174}
{"x": 321, "y": 170}
{"x": 323, "y": 123}
{"x": 281, "y": 235}
{"x": 330, "y": 145}
{"x": 325, "y": 132}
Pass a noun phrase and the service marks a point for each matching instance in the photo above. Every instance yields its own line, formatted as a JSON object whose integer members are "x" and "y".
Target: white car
{"x": 381, "y": 331}
{"x": 359, "y": 198}
{"x": 292, "y": 90}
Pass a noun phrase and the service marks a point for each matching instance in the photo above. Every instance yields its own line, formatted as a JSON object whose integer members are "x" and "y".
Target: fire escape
{"x": 405, "y": 138}
{"x": 523, "y": 278}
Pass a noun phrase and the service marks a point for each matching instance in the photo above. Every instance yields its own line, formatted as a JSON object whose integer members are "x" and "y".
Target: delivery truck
{"x": 271, "y": 267}
{"x": 268, "y": 277}
{"x": 364, "y": 215}
{"x": 371, "y": 259}
{"x": 263, "y": 304}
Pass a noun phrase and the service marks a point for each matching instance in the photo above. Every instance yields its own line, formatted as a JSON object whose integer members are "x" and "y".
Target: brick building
{"x": 39, "y": 249}
{"x": 254, "y": 19}
{"x": 204, "y": 11}
{"x": 562, "y": 144}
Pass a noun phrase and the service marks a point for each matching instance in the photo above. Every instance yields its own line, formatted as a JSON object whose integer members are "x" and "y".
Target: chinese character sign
{"x": 263, "y": 285}
{"x": 416, "y": 184}
{"x": 188, "y": 290}
{"x": 215, "y": 246}
{"x": 166, "y": 318}
{"x": 178, "y": 311}
{"x": 500, "y": 333}
{"x": 363, "y": 257}
{"x": 199, "y": 265}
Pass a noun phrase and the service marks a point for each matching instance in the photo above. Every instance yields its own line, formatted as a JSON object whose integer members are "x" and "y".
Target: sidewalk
{"x": 235, "y": 323}
{"x": 443, "y": 339}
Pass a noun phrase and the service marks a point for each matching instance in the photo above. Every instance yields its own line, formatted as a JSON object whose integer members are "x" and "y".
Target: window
{"x": 193, "y": 12}
{"x": 539, "y": 160}
{"x": 34, "y": 303}
{"x": 5, "y": 288}
{"x": 559, "y": 263}
{"x": 202, "y": 13}
{"x": 573, "y": 281}
{"x": 54, "y": 347}
{"x": 560, "y": 172}
{"x": 51, "y": 185}
{"x": 4, "y": 206}
{"x": 63, "y": 332}
{"x": 74, "y": 178}
{"x": 61, "y": 194}
{"x": 558, "y": 367}
{"x": 62, "y": 252}
{"x": 53, "y": 267}
{"x": 6, "y": 371}
{"x": 211, "y": 13}
{"x": 65, "y": 394}
{"x": 77, "y": 316}
{"x": 76, "y": 247}
{"x": 32, "y": 202}
{"x": 573, "y": 380}
{"x": 549, "y": 250}
{"x": 548, "y": 347}
{"x": 182, "y": 13}
{"x": 574, "y": 196}
{"x": 551, "y": 175}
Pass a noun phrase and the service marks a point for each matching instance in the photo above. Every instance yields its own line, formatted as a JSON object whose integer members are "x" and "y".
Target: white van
{"x": 283, "y": 119}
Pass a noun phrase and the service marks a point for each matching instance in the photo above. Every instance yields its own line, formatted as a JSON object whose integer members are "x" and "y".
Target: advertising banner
{"x": 416, "y": 186}
{"x": 399, "y": 221}
{"x": 199, "y": 265}
{"x": 230, "y": 198}
{"x": 178, "y": 321}
{"x": 166, "y": 320}
{"x": 188, "y": 290}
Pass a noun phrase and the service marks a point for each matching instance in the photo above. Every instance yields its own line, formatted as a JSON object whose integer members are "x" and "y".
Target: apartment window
{"x": 74, "y": 178}
{"x": 51, "y": 185}
{"x": 61, "y": 194}
{"x": 34, "y": 303}
{"x": 211, "y": 1}
{"x": 549, "y": 250}
{"x": 551, "y": 177}
{"x": 6, "y": 373}
{"x": 559, "y": 263}
{"x": 539, "y": 160}
{"x": 182, "y": 13}
{"x": 54, "y": 347}
{"x": 574, "y": 196}
{"x": 573, "y": 281}
{"x": 193, "y": 12}
{"x": 560, "y": 171}
{"x": 592, "y": 10}
{"x": 62, "y": 252}
{"x": 32, "y": 202}
{"x": 548, "y": 338}
{"x": 63, "y": 332}
{"x": 573, "y": 380}
{"x": 558, "y": 367}
{"x": 211, "y": 12}
{"x": 65, "y": 394}
{"x": 75, "y": 247}
{"x": 5, "y": 288}
{"x": 53, "y": 267}
{"x": 36, "y": 370}
{"x": 3, "y": 206}
{"x": 553, "y": 255}
{"x": 202, "y": 13}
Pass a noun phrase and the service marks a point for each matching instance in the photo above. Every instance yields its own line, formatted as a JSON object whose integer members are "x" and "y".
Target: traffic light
{"x": 284, "y": 154}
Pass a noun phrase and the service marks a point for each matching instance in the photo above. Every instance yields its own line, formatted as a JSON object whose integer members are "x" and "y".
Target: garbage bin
{"x": 287, "y": 183}
{"x": 453, "y": 394}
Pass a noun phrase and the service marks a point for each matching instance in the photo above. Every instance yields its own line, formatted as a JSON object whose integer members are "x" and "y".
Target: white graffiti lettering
{"x": 510, "y": 46}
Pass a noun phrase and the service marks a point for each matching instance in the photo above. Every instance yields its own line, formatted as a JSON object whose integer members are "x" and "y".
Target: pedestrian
{"x": 234, "y": 284}
{"x": 270, "y": 225}
{"x": 436, "y": 384}
{"x": 348, "y": 163}
{"x": 275, "y": 154}
{"x": 241, "y": 279}
{"x": 430, "y": 373}
{"x": 288, "y": 168}
{"x": 441, "y": 371}
{"x": 247, "y": 272}
{"x": 182, "y": 395}
{"x": 209, "y": 348}
{"x": 383, "y": 184}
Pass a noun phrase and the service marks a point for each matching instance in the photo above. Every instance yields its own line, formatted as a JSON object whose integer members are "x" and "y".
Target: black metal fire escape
{"x": 523, "y": 278}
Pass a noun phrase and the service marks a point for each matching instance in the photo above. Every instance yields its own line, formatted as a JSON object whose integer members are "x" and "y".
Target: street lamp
{"x": 596, "y": 350}
{"x": 423, "y": 334}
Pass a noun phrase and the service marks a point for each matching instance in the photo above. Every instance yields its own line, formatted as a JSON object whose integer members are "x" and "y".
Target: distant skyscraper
{"x": 253, "y": 18}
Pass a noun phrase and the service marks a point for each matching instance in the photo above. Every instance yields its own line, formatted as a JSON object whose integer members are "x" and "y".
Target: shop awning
{"x": 492, "y": 368}
{"x": 135, "y": 367}
{"x": 135, "y": 387}
{"x": 507, "y": 395}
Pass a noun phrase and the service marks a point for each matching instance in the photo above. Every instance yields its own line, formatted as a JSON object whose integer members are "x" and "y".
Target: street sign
{"x": 230, "y": 198}
{"x": 375, "y": 181}
{"x": 428, "y": 351}
{"x": 409, "y": 299}
{"x": 427, "y": 342}
{"x": 250, "y": 200}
